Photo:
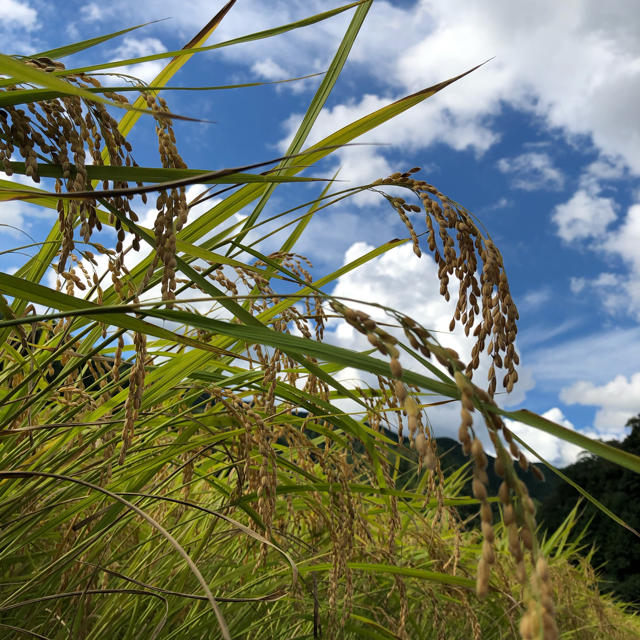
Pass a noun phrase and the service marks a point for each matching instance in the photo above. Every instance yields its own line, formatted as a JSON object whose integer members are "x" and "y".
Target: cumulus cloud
{"x": 574, "y": 67}
{"x": 18, "y": 14}
{"x": 554, "y": 450}
{"x": 14, "y": 221}
{"x": 604, "y": 168}
{"x": 398, "y": 279}
{"x": 618, "y": 400}
{"x": 604, "y": 355}
{"x": 584, "y": 216}
{"x": 593, "y": 220}
{"x": 18, "y": 26}
{"x": 134, "y": 47}
{"x": 415, "y": 129}
{"x": 625, "y": 240}
{"x": 91, "y": 12}
{"x": 619, "y": 293}
{"x": 532, "y": 171}
{"x": 535, "y": 299}
{"x": 269, "y": 70}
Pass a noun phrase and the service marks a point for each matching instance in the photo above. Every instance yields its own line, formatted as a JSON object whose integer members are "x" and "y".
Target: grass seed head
{"x": 482, "y": 578}
{"x": 508, "y": 514}
{"x": 400, "y": 391}
{"x": 459, "y": 248}
{"x": 504, "y": 493}
{"x": 396, "y": 368}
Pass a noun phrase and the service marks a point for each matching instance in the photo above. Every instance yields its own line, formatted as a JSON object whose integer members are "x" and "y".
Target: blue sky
{"x": 542, "y": 143}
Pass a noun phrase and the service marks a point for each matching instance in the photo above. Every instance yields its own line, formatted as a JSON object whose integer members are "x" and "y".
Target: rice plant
{"x": 176, "y": 460}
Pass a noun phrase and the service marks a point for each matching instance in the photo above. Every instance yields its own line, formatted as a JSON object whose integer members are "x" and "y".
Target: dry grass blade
{"x": 209, "y": 28}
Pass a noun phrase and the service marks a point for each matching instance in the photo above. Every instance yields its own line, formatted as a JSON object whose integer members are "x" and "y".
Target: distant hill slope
{"x": 617, "y": 556}
{"x": 452, "y": 458}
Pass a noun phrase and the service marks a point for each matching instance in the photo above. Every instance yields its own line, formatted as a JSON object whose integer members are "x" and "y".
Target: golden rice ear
{"x": 396, "y": 368}
{"x": 70, "y": 133}
{"x": 484, "y": 307}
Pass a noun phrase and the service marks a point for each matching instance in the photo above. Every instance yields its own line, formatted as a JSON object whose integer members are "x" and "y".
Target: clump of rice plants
{"x": 174, "y": 458}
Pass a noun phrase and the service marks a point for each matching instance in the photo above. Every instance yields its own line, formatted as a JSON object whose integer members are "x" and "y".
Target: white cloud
{"x": 269, "y": 69}
{"x": 414, "y": 129}
{"x": 604, "y": 355}
{"x": 417, "y": 128}
{"x": 400, "y": 280}
{"x": 625, "y": 240}
{"x": 532, "y": 171}
{"x": 18, "y": 14}
{"x": 534, "y": 299}
{"x": 133, "y": 47}
{"x": 91, "y": 12}
{"x": 502, "y": 203}
{"x": 16, "y": 216}
{"x": 14, "y": 223}
{"x": 574, "y": 66}
{"x": 577, "y": 285}
{"x": 618, "y": 400}
{"x": 605, "y": 168}
{"x": 554, "y": 450}
{"x": 619, "y": 293}
{"x": 584, "y": 216}
{"x": 360, "y": 166}
{"x": 589, "y": 217}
